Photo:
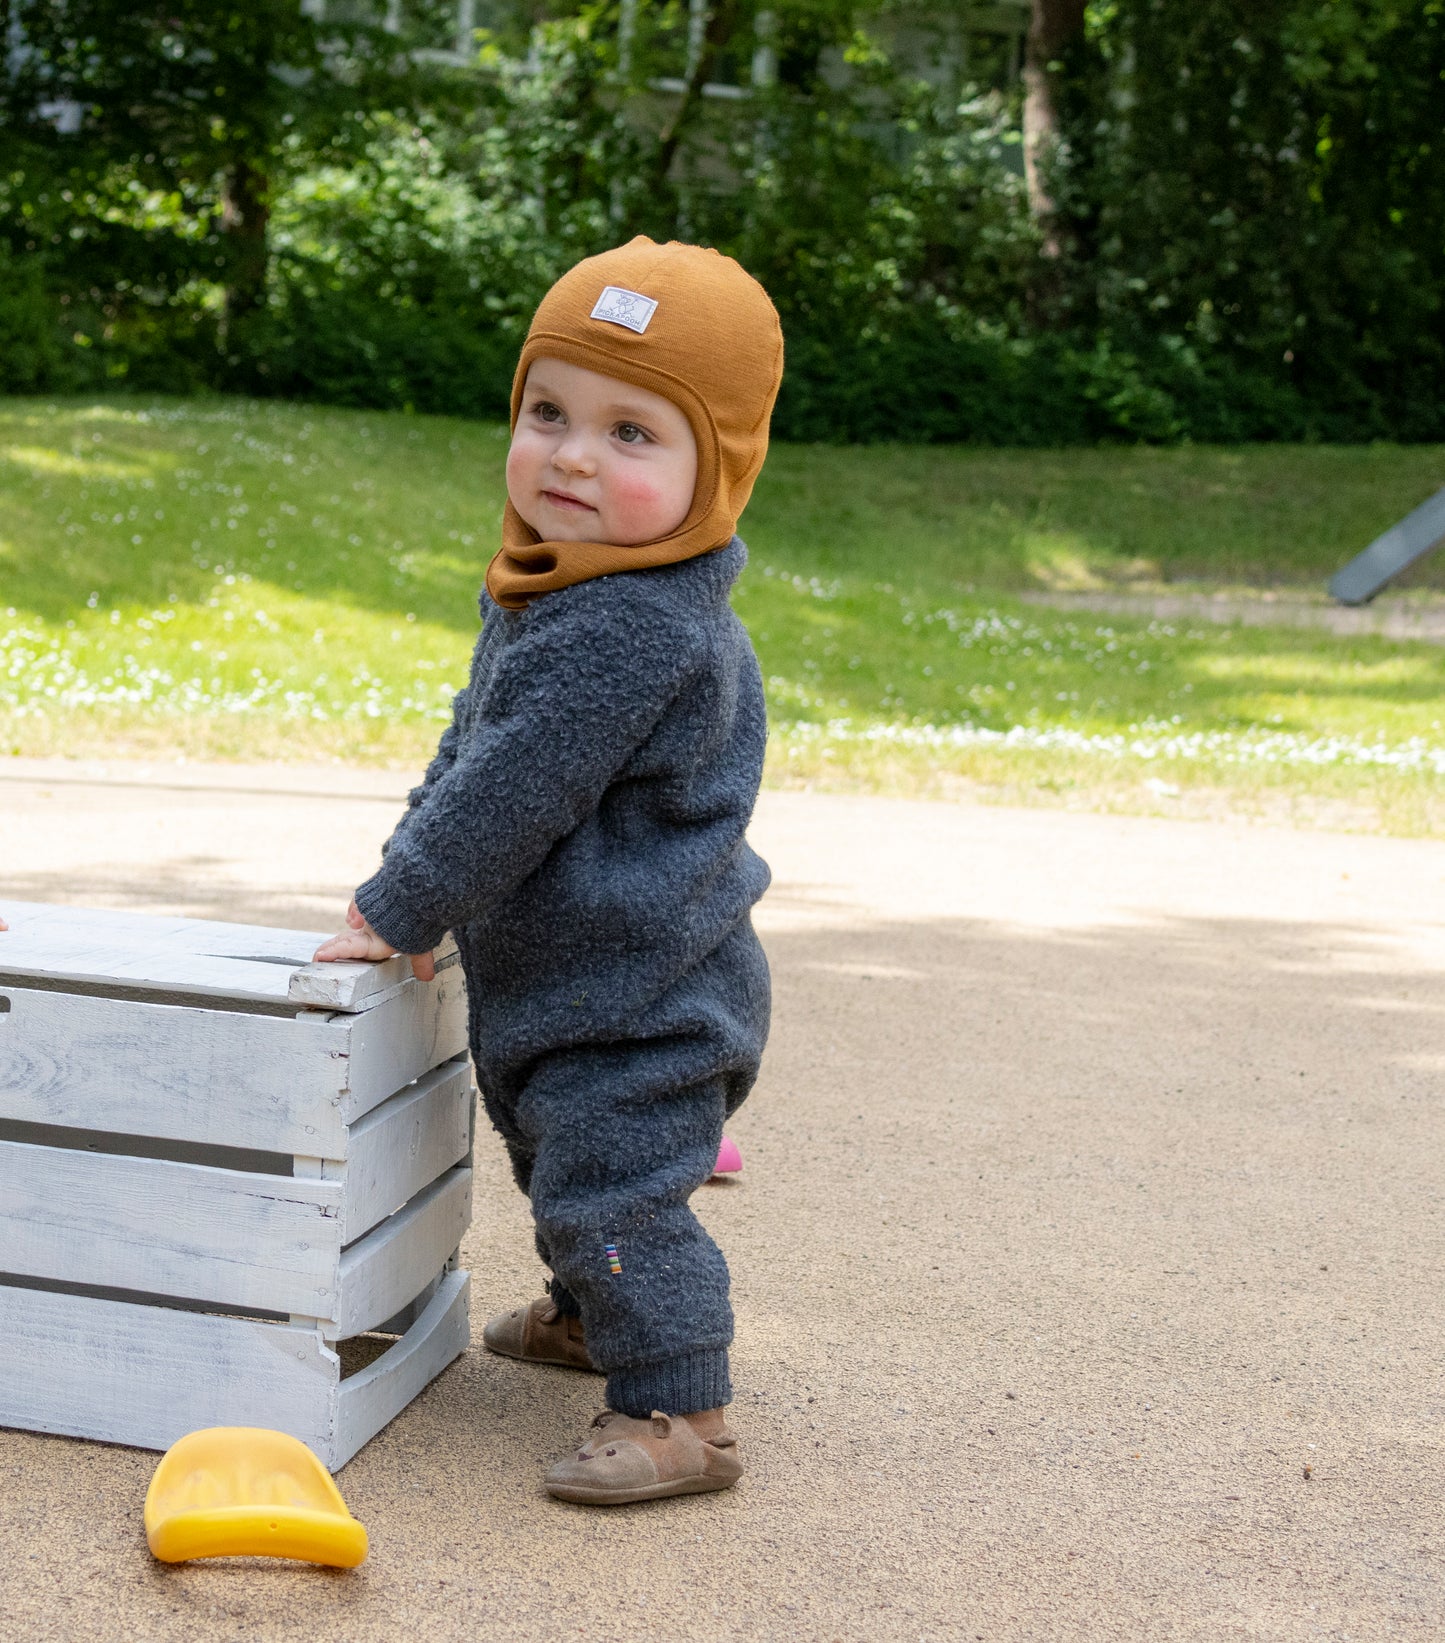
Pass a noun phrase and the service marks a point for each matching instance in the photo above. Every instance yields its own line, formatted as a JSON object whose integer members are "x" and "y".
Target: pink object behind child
{"x": 729, "y": 1159}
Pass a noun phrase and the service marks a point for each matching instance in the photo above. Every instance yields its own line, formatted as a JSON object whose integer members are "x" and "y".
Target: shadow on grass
{"x": 874, "y": 652}
{"x": 969, "y": 518}
{"x": 126, "y": 503}
{"x": 135, "y": 505}
{"x": 393, "y": 513}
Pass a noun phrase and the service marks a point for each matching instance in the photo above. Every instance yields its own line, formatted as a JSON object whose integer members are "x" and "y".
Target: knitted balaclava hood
{"x": 689, "y": 324}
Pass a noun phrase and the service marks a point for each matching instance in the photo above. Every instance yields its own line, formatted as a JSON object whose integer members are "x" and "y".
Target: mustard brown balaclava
{"x": 689, "y": 324}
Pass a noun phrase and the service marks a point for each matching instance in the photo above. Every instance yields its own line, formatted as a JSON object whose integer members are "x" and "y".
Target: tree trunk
{"x": 721, "y": 22}
{"x": 1053, "y": 26}
{"x": 245, "y": 213}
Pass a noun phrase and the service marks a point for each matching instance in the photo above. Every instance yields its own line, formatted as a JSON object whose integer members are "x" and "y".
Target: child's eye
{"x": 545, "y": 411}
{"x": 630, "y": 434}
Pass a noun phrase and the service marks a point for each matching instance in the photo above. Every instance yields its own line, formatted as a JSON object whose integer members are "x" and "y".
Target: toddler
{"x": 581, "y": 832}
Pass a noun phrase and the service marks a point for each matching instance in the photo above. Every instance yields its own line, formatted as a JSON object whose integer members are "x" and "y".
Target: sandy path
{"x": 1093, "y": 1194}
{"x": 1391, "y": 617}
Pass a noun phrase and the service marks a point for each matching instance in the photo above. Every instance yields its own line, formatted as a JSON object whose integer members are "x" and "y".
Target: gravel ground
{"x": 1086, "y": 1257}
{"x": 1421, "y": 616}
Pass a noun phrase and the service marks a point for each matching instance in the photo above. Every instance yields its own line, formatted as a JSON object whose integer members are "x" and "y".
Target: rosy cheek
{"x": 523, "y": 467}
{"x": 517, "y": 463}
{"x": 636, "y": 495}
{"x": 639, "y": 510}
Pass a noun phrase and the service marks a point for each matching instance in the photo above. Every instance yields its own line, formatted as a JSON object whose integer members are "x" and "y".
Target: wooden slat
{"x": 93, "y": 948}
{"x": 361, "y": 986}
{"x": 219, "y": 1235}
{"x": 146, "y": 1375}
{"x": 400, "y": 1146}
{"x": 381, "y": 1272}
{"x": 149, "y": 1146}
{"x": 374, "y": 1396}
{"x": 263, "y": 1082}
{"x": 399, "y": 1323}
{"x": 403, "y": 1037}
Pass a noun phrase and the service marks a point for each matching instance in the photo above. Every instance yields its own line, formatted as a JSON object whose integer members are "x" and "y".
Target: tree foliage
{"x": 1234, "y": 233}
{"x": 1263, "y": 182}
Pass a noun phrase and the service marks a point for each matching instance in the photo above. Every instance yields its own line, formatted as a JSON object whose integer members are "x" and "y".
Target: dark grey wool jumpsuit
{"x": 581, "y": 832}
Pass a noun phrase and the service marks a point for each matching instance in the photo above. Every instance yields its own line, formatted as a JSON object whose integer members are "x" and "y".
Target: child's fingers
{"x": 346, "y": 945}
{"x": 424, "y": 966}
{"x": 354, "y": 916}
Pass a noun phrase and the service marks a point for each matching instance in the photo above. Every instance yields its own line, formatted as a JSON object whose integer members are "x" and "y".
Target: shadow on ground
{"x": 201, "y": 884}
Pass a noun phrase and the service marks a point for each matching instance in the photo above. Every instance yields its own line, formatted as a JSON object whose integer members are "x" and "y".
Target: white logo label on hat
{"x": 628, "y": 308}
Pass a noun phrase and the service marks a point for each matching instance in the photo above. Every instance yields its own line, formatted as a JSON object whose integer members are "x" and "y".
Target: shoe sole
{"x": 578, "y": 1496}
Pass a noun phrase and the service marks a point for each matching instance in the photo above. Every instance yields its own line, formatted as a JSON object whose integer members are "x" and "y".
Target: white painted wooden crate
{"x": 217, "y": 1162}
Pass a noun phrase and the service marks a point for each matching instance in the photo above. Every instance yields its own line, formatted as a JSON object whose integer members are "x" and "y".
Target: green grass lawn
{"x": 226, "y": 579}
{"x": 967, "y": 520}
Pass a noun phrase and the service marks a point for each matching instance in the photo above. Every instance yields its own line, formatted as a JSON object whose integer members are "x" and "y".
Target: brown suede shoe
{"x": 539, "y": 1333}
{"x": 626, "y": 1460}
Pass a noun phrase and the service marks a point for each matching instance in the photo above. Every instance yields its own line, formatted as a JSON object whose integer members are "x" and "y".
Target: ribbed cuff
{"x": 393, "y": 903}
{"x": 676, "y": 1386}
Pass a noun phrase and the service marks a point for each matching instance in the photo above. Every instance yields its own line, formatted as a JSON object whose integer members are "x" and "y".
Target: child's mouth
{"x": 560, "y": 499}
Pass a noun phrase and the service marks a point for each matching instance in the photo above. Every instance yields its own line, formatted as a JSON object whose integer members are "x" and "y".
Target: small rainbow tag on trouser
{"x": 614, "y": 1265}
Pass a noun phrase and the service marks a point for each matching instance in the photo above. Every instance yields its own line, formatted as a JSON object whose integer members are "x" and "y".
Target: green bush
{"x": 31, "y": 351}
{"x": 1251, "y": 253}
{"x": 349, "y": 348}
{"x": 1258, "y": 187}
{"x": 924, "y": 385}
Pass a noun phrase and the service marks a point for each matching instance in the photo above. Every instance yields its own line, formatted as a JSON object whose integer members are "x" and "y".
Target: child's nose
{"x": 574, "y": 455}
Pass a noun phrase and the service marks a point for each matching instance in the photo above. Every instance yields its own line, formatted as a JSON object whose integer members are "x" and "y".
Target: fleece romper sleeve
{"x": 442, "y": 761}
{"x": 573, "y": 695}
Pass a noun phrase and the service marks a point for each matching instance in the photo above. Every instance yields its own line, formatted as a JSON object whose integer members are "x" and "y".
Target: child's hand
{"x": 360, "y": 941}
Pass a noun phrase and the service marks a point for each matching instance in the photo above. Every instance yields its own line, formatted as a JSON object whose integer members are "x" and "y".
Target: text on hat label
{"x": 628, "y": 308}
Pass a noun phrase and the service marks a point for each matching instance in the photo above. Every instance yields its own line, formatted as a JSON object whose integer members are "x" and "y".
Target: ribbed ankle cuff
{"x": 676, "y": 1386}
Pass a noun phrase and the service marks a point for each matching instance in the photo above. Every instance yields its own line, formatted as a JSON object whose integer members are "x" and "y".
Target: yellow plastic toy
{"x": 244, "y": 1491}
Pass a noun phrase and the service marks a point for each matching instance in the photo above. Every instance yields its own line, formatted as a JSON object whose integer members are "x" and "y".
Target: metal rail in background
{"x": 1393, "y": 551}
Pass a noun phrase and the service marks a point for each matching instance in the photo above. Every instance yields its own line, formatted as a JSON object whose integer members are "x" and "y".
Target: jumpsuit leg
{"x": 609, "y": 1140}
{"x": 622, "y": 1135}
{"x": 522, "y": 1159}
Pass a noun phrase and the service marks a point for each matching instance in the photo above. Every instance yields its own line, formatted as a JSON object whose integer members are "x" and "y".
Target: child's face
{"x": 594, "y": 459}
